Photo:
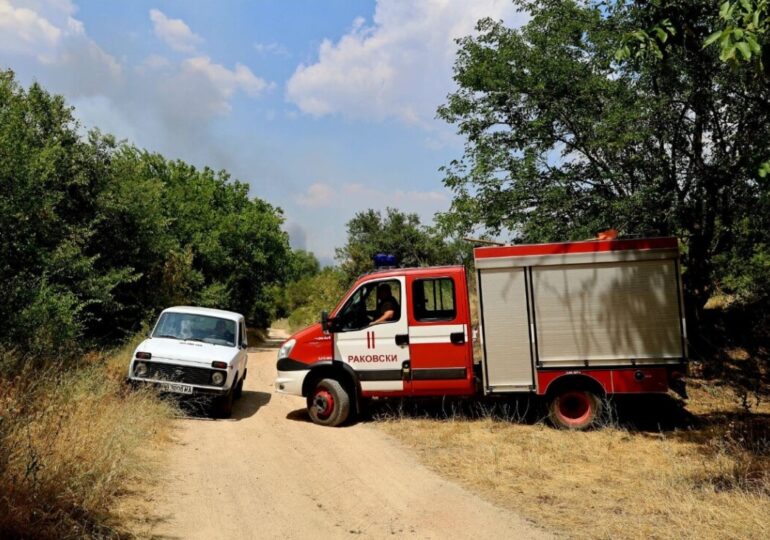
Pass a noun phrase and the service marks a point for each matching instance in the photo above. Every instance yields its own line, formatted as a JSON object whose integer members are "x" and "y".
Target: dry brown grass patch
{"x": 72, "y": 442}
{"x": 707, "y": 481}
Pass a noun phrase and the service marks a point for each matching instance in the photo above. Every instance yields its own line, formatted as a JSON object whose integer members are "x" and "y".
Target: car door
{"x": 377, "y": 352}
{"x": 441, "y": 355}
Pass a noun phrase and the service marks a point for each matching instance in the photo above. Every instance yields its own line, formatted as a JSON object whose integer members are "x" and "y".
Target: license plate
{"x": 177, "y": 388}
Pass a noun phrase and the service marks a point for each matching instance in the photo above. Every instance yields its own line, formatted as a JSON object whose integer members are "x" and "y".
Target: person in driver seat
{"x": 387, "y": 307}
{"x": 223, "y": 332}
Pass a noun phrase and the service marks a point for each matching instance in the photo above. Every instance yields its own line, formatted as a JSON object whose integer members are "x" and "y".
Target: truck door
{"x": 441, "y": 356}
{"x": 377, "y": 352}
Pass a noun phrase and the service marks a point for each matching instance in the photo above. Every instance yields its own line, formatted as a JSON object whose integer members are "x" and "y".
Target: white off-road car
{"x": 195, "y": 351}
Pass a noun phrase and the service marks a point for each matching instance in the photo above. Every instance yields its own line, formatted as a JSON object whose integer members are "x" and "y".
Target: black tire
{"x": 239, "y": 388}
{"x": 328, "y": 404}
{"x": 223, "y": 405}
{"x": 574, "y": 409}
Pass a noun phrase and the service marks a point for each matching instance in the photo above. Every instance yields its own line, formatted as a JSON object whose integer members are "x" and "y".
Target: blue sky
{"x": 325, "y": 108}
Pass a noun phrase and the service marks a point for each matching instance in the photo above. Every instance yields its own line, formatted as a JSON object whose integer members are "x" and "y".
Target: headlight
{"x": 286, "y": 348}
{"x": 140, "y": 369}
{"x": 218, "y": 378}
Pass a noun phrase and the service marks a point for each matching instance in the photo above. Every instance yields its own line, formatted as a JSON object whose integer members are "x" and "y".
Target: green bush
{"x": 307, "y": 297}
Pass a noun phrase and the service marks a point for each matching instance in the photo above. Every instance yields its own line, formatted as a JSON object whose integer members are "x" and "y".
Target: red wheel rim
{"x": 574, "y": 408}
{"x": 323, "y": 401}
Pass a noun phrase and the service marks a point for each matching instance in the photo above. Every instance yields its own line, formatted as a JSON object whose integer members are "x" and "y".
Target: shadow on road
{"x": 200, "y": 407}
{"x": 300, "y": 415}
{"x": 249, "y": 404}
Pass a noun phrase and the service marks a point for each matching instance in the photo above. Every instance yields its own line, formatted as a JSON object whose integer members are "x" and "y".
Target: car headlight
{"x": 218, "y": 378}
{"x": 140, "y": 369}
{"x": 286, "y": 348}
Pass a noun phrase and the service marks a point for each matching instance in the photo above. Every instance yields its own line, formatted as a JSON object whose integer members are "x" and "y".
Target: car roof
{"x": 205, "y": 311}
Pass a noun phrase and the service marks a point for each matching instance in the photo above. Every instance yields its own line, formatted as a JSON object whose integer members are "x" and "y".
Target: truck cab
{"x": 424, "y": 348}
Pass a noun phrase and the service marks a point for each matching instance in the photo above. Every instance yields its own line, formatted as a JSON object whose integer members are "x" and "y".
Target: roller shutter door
{"x": 611, "y": 313}
{"x": 506, "y": 328}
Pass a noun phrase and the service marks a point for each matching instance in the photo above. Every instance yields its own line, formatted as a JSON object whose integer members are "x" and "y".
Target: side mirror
{"x": 325, "y": 321}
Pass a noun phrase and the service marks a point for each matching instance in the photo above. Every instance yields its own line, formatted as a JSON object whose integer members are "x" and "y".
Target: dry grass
{"x": 72, "y": 443}
{"x": 707, "y": 481}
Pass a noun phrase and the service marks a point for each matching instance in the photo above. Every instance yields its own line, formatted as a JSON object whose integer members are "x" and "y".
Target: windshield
{"x": 188, "y": 326}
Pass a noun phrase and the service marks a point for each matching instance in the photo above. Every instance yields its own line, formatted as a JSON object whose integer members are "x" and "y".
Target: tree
{"x": 395, "y": 233}
{"x": 49, "y": 177}
{"x": 98, "y": 236}
{"x": 741, "y": 35}
{"x": 564, "y": 139}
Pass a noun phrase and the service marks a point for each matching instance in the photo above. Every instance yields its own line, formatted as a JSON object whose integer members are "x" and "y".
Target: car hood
{"x": 188, "y": 351}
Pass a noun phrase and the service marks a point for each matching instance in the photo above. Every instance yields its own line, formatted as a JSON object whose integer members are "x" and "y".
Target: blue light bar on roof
{"x": 383, "y": 260}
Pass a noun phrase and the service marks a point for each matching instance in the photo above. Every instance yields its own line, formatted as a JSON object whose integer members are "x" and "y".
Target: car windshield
{"x": 189, "y": 326}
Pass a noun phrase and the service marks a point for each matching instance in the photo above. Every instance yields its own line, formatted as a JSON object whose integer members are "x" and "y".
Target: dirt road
{"x": 270, "y": 473}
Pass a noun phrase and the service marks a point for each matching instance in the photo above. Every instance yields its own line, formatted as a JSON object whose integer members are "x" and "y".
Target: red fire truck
{"x": 573, "y": 322}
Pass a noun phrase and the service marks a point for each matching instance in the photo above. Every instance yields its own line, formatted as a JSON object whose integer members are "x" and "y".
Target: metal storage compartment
{"x": 505, "y": 332}
{"x": 607, "y": 314}
{"x": 578, "y": 304}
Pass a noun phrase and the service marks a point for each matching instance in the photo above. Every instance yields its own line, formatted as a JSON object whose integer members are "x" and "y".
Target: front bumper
{"x": 290, "y": 382}
{"x": 197, "y": 390}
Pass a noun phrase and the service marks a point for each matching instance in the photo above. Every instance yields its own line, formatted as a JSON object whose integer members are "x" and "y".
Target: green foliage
{"x": 310, "y": 295}
{"x": 565, "y": 137}
{"x": 395, "y": 233}
{"x": 301, "y": 267}
{"x": 99, "y": 236}
{"x": 302, "y": 264}
{"x": 645, "y": 43}
{"x": 744, "y": 26}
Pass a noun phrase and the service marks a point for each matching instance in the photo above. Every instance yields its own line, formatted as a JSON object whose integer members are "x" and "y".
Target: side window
{"x": 434, "y": 299}
{"x": 367, "y": 304}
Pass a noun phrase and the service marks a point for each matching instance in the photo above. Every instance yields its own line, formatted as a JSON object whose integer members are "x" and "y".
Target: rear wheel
{"x": 328, "y": 404}
{"x": 574, "y": 409}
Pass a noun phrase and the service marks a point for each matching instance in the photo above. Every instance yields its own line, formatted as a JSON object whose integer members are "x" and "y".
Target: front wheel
{"x": 239, "y": 388}
{"x": 223, "y": 405}
{"x": 574, "y": 409}
{"x": 328, "y": 404}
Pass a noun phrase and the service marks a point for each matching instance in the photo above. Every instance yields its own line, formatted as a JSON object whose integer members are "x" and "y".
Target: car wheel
{"x": 239, "y": 388}
{"x": 223, "y": 405}
{"x": 574, "y": 409}
{"x": 328, "y": 404}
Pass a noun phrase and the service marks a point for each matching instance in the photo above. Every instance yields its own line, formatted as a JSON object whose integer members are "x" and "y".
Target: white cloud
{"x": 174, "y": 32}
{"x": 161, "y": 104}
{"x": 46, "y": 31}
{"x": 155, "y": 62}
{"x": 398, "y": 67}
{"x": 318, "y": 194}
{"x": 23, "y": 31}
{"x": 226, "y": 80}
{"x": 271, "y": 48}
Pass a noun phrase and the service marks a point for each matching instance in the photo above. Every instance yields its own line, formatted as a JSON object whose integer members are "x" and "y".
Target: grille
{"x": 183, "y": 374}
